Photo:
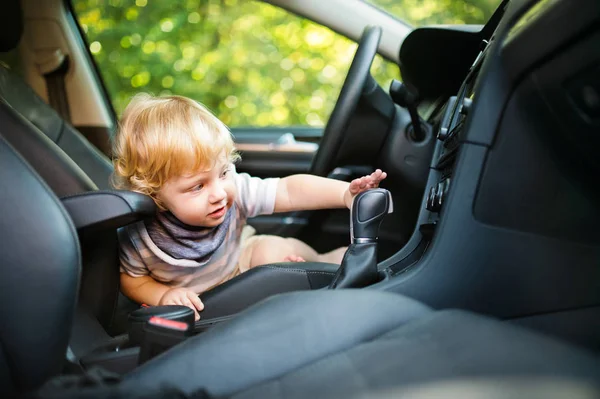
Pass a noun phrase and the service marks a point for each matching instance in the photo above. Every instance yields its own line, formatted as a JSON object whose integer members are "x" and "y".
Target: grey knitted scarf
{"x": 182, "y": 241}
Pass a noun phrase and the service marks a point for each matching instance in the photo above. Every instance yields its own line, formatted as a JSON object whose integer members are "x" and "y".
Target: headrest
{"x": 11, "y": 24}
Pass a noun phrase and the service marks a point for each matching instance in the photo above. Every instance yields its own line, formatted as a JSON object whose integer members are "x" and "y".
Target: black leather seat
{"x": 42, "y": 270}
{"x": 319, "y": 344}
{"x": 100, "y": 284}
{"x": 350, "y": 343}
{"x": 70, "y": 165}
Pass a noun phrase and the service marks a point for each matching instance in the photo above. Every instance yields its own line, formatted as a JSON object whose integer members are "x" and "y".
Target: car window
{"x": 439, "y": 12}
{"x": 251, "y": 63}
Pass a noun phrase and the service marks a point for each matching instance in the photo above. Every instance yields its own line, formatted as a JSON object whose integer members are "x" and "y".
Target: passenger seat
{"x": 70, "y": 165}
{"x": 99, "y": 290}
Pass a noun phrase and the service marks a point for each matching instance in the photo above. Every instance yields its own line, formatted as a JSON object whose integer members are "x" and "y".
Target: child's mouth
{"x": 218, "y": 213}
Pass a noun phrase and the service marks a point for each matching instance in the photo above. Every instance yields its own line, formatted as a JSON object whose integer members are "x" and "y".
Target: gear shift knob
{"x": 368, "y": 210}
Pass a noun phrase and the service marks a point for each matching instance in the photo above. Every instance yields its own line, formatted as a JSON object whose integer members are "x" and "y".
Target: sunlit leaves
{"x": 95, "y": 47}
{"x": 248, "y": 61}
{"x": 167, "y": 82}
{"x": 430, "y": 12}
{"x": 140, "y": 79}
{"x": 166, "y": 25}
{"x": 193, "y": 18}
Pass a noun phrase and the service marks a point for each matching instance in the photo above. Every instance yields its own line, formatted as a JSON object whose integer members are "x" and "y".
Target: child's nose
{"x": 218, "y": 193}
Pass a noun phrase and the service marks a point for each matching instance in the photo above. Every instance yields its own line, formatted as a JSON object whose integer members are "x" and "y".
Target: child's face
{"x": 202, "y": 198}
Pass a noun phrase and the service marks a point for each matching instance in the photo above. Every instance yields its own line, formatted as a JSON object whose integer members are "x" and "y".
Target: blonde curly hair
{"x": 164, "y": 137}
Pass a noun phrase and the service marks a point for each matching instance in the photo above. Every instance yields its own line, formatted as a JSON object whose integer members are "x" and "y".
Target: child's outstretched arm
{"x": 306, "y": 192}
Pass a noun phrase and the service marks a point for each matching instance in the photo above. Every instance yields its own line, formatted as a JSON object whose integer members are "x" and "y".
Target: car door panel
{"x": 276, "y": 152}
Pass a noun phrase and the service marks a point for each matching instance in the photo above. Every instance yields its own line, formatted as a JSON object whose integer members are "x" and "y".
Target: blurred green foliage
{"x": 251, "y": 63}
{"x": 435, "y": 12}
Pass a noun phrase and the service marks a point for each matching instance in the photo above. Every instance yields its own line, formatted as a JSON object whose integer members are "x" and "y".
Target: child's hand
{"x": 364, "y": 183}
{"x": 185, "y": 297}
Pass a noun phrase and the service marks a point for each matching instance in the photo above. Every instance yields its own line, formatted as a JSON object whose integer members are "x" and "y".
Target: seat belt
{"x": 53, "y": 66}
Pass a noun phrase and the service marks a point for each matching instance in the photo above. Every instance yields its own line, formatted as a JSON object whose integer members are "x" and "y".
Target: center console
{"x": 450, "y": 134}
{"x": 508, "y": 223}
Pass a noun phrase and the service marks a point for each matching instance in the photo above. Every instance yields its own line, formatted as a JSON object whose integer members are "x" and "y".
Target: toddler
{"x": 175, "y": 151}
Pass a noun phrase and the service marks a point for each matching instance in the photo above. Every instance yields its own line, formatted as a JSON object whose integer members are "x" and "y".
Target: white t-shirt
{"x": 139, "y": 256}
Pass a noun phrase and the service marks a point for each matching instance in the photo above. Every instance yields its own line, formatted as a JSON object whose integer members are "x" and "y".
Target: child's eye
{"x": 197, "y": 187}
{"x": 224, "y": 173}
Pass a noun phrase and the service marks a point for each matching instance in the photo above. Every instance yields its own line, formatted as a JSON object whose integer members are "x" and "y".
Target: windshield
{"x": 439, "y": 12}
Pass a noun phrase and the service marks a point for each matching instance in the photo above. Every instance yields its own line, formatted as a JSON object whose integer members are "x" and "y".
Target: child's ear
{"x": 159, "y": 204}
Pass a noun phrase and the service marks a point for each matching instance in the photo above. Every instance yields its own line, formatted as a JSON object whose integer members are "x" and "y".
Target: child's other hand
{"x": 361, "y": 184}
{"x": 185, "y": 297}
{"x": 294, "y": 258}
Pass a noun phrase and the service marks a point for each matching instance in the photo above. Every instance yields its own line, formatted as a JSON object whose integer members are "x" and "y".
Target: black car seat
{"x": 320, "y": 344}
{"x": 41, "y": 265}
{"x": 99, "y": 283}
{"x": 70, "y": 165}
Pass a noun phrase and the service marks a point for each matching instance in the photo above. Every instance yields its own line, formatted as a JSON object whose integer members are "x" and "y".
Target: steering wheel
{"x": 356, "y": 78}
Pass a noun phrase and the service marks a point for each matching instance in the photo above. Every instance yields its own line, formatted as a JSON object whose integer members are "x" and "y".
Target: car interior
{"x": 473, "y": 271}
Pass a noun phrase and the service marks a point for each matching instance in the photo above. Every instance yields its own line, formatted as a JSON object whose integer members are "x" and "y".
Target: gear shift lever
{"x": 359, "y": 266}
{"x": 407, "y": 98}
{"x": 368, "y": 210}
